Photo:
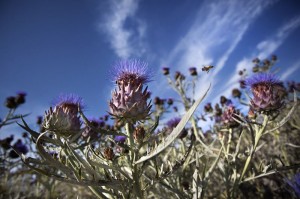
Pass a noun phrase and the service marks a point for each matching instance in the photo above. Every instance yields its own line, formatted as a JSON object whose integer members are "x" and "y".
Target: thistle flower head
{"x": 120, "y": 138}
{"x": 20, "y": 98}
{"x": 129, "y": 100}
{"x": 267, "y": 92}
{"x": 20, "y": 147}
{"x": 131, "y": 72}
{"x": 70, "y": 102}
{"x": 63, "y": 118}
{"x": 172, "y": 123}
{"x": 262, "y": 78}
{"x": 228, "y": 116}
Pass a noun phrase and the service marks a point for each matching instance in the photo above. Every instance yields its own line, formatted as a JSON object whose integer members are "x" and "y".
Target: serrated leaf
{"x": 176, "y": 131}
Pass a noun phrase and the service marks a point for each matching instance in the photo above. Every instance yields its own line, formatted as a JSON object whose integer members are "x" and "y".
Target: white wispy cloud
{"x": 290, "y": 70}
{"x": 218, "y": 28}
{"x": 263, "y": 50}
{"x": 124, "y": 31}
{"x": 268, "y": 46}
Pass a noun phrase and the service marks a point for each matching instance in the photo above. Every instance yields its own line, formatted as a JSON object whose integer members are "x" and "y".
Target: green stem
{"x": 134, "y": 156}
{"x": 229, "y": 140}
{"x": 257, "y": 138}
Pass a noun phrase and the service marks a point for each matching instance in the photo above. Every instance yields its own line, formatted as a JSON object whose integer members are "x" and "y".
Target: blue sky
{"x": 52, "y": 47}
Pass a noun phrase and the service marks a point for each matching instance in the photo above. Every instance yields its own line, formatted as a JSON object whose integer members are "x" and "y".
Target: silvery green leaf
{"x": 176, "y": 131}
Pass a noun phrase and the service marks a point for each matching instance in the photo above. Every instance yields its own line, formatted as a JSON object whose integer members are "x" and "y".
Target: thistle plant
{"x": 159, "y": 150}
{"x": 129, "y": 100}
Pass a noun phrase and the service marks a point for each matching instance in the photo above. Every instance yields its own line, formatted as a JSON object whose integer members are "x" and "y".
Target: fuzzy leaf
{"x": 176, "y": 131}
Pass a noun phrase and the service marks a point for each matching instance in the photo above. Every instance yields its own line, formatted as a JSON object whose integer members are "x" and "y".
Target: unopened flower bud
{"x": 267, "y": 62}
{"x": 39, "y": 120}
{"x": 242, "y": 84}
{"x": 175, "y": 109}
{"x": 139, "y": 134}
{"x": 11, "y": 102}
{"x": 228, "y": 116}
{"x": 170, "y": 101}
{"x": 208, "y": 108}
{"x": 6, "y": 142}
{"x": 236, "y": 93}
{"x": 256, "y": 60}
{"x": 193, "y": 71}
{"x": 178, "y": 76}
{"x": 158, "y": 101}
{"x": 20, "y": 98}
{"x": 166, "y": 71}
{"x": 109, "y": 153}
{"x": 19, "y": 147}
{"x": 223, "y": 100}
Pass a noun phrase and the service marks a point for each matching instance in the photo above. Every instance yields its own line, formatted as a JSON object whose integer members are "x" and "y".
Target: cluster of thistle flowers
{"x": 129, "y": 103}
{"x": 8, "y": 150}
{"x": 13, "y": 149}
{"x": 12, "y": 103}
{"x": 268, "y": 96}
{"x": 268, "y": 91}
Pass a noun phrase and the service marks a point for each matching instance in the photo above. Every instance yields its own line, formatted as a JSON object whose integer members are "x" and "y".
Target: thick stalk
{"x": 133, "y": 157}
{"x": 257, "y": 138}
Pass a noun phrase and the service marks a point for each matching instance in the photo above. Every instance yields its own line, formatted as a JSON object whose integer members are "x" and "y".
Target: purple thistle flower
{"x": 19, "y": 147}
{"x": 172, "y": 123}
{"x": 5, "y": 143}
{"x": 120, "y": 138}
{"x": 129, "y": 100}
{"x": 262, "y": 78}
{"x": 64, "y": 119}
{"x": 69, "y": 101}
{"x": 20, "y": 98}
{"x": 228, "y": 115}
{"x": 131, "y": 71}
{"x": 295, "y": 184}
{"x": 267, "y": 92}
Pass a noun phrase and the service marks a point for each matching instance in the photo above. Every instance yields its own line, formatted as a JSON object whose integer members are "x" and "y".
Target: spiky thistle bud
{"x": 236, "y": 93}
{"x": 11, "y": 102}
{"x": 166, "y": 71}
{"x": 193, "y": 71}
{"x": 109, "y": 153}
{"x": 20, "y": 147}
{"x": 20, "y": 98}
{"x": 63, "y": 119}
{"x": 265, "y": 89}
{"x": 228, "y": 116}
{"x": 129, "y": 100}
{"x": 139, "y": 133}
